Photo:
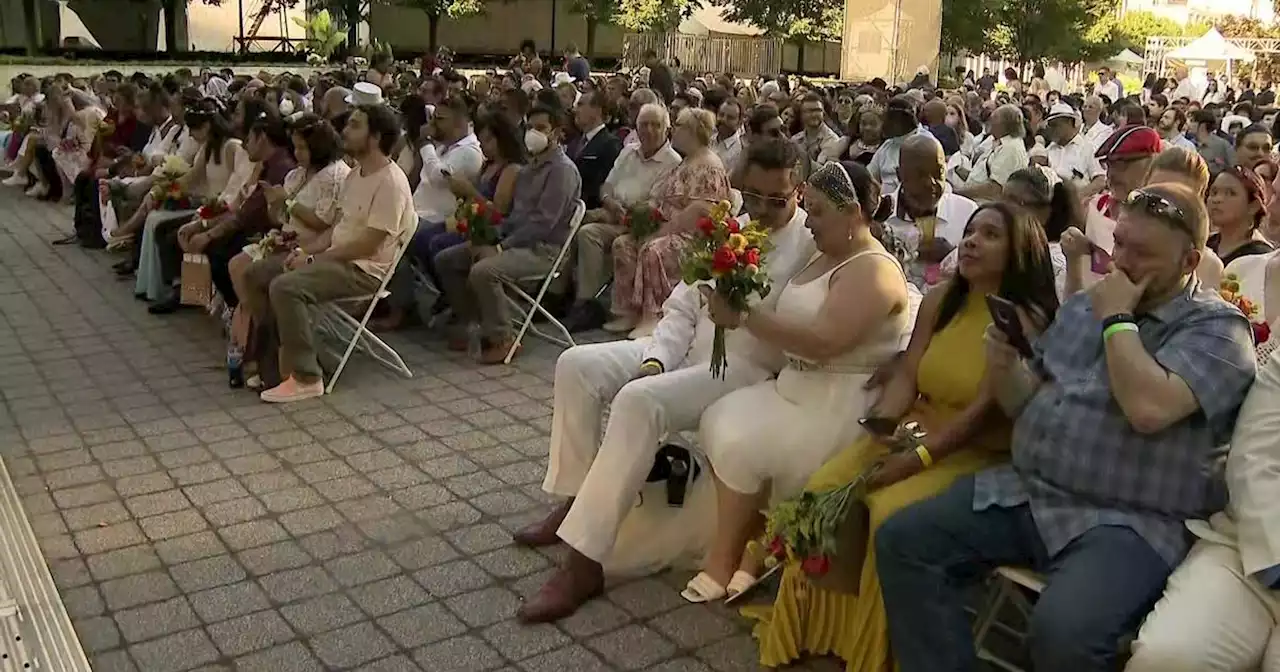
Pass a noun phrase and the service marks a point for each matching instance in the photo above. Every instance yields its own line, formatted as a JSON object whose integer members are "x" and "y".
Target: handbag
{"x": 197, "y": 281}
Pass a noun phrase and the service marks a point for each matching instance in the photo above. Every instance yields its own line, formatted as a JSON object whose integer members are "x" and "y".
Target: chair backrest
{"x": 401, "y": 245}
{"x": 575, "y": 223}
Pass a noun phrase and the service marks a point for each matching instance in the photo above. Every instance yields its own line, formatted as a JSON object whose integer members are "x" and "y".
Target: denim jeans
{"x": 1098, "y": 588}
{"x": 428, "y": 241}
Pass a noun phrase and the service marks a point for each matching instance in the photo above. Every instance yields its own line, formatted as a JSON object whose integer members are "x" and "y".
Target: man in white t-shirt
{"x": 377, "y": 214}
{"x": 1070, "y": 154}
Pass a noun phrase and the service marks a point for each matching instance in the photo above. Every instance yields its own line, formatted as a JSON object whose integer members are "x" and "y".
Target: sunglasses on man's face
{"x": 772, "y": 202}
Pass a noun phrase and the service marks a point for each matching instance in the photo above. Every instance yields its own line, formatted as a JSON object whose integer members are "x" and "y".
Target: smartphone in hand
{"x": 1099, "y": 260}
{"x": 1005, "y": 316}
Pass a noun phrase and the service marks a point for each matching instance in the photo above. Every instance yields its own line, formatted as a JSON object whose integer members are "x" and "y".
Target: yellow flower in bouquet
{"x": 731, "y": 257}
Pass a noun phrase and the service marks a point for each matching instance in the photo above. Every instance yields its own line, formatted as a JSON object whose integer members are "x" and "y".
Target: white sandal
{"x": 743, "y": 583}
{"x": 702, "y": 588}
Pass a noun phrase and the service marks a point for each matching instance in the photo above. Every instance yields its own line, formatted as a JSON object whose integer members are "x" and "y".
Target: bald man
{"x": 927, "y": 217}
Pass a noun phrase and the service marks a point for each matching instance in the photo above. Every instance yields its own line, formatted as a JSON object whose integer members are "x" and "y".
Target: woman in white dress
{"x": 848, "y": 312}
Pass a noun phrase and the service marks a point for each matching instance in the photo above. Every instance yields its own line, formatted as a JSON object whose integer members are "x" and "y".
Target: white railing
{"x": 741, "y": 55}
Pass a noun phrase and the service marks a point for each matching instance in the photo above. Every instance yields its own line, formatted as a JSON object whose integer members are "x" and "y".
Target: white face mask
{"x": 536, "y": 141}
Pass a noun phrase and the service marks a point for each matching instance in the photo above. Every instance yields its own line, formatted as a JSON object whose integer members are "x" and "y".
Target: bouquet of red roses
{"x": 212, "y": 209}
{"x": 643, "y": 221}
{"x": 477, "y": 220}
{"x": 731, "y": 256}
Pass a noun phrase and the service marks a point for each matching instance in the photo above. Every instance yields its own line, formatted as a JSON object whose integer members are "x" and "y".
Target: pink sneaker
{"x": 292, "y": 390}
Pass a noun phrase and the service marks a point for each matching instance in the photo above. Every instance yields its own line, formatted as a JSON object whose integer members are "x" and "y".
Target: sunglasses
{"x": 773, "y": 202}
{"x": 1158, "y": 206}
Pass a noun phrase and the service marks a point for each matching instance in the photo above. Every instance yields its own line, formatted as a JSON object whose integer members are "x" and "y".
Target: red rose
{"x": 733, "y": 226}
{"x": 495, "y": 217}
{"x": 463, "y": 228}
{"x": 777, "y": 548}
{"x": 626, "y": 221}
{"x": 751, "y": 257}
{"x": 656, "y": 215}
{"x": 1261, "y": 332}
{"x": 205, "y": 212}
{"x": 706, "y": 225}
{"x": 480, "y": 207}
{"x": 816, "y": 565}
{"x": 724, "y": 260}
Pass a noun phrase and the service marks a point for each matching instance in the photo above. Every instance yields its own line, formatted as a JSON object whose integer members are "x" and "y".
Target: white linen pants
{"x": 605, "y": 476}
{"x": 1212, "y": 618}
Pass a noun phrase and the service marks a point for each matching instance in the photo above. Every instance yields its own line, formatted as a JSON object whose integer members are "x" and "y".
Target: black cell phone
{"x": 885, "y": 427}
{"x": 1005, "y": 316}
{"x": 445, "y": 172}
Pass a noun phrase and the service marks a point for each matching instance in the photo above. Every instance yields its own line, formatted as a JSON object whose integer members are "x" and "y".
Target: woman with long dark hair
{"x": 1237, "y": 206}
{"x": 938, "y": 383}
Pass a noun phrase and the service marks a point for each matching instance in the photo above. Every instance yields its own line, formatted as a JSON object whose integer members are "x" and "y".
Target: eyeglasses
{"x": 771, "y": 202}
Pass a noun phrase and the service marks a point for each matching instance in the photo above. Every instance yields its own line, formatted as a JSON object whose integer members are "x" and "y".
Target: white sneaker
{"x": 15, "y": 180}
{"x": 38, "y": 191}
{"x": 291, "y": 390}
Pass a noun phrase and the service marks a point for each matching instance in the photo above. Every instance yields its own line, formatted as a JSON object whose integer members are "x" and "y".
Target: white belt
{"x": 829, "y": 367}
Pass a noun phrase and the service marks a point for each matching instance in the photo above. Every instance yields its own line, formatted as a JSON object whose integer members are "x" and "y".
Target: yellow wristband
{"x": 652, "y": 364}
{"x": 1117, "y": 328}
{"x": 925, "y": 458}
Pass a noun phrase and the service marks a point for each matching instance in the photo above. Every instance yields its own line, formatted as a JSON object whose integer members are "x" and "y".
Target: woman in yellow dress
{"x": 939, "y": 383}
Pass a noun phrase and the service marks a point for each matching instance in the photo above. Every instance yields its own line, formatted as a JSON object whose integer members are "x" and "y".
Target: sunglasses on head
{"x": 1158, "y": 206}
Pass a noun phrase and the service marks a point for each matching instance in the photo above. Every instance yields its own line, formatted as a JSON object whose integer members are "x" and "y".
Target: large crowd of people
{"x": 1124, "y": 450}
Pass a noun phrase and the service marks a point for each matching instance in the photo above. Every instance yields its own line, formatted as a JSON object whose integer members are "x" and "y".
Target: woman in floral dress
{"x": 645, "y": 272}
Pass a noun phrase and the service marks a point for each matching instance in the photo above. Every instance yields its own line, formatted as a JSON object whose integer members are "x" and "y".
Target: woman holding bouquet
{"x": 940, "y": 384}
{"x": 302, "y": 211}
{"x": 645, "y": 272}
{"x": 844, "y": 315}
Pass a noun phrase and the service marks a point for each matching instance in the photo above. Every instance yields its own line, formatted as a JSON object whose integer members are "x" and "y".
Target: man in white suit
{"x": 1220, "y": 606}
{"x": 653, "y": 387}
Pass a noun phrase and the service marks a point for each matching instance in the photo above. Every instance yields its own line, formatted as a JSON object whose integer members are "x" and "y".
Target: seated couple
{"x": 349, "y": 260}
{"x": 1118, "y": 414}
{"x": 536, "y": 200}
{"x": 832, "y": 320}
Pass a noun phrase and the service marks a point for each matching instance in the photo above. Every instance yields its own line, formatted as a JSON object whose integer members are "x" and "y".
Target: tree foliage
{"x": 1026, "y": 32}
{"x": 644, "y": 16}
{"x": 323, "y": 35}
{"x": 796, "y": 20}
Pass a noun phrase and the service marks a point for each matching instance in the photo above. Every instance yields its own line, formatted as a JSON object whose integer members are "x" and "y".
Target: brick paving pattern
{"x": 190, "y": 526}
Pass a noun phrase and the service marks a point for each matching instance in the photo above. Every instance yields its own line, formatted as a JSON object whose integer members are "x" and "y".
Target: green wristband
{"x": 1117, "y": 328}
{"x": 653, "y": 363}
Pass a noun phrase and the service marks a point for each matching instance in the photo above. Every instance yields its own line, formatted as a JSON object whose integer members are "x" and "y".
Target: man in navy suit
{"x": 595, "y": 149}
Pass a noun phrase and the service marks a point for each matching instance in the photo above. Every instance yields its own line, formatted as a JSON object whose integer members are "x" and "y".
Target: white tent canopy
{"x": 1128, "y": 56}
{"x": 1211, "y": 46}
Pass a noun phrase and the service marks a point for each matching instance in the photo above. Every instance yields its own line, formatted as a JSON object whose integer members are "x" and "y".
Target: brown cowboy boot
{"x": 543, "y": 532}
{"x": 579, "y": 580}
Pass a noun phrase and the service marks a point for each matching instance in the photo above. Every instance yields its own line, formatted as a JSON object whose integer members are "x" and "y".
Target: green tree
{"x": 964, "y": 25}
{"x": 594, "y": 12}
{"x": 647, "y": 16}
{"x": 439, "y": 9}
{"x": 323, "y": 35}
{"x": 1132, "y": 30}
{"x": 797, "y": 21}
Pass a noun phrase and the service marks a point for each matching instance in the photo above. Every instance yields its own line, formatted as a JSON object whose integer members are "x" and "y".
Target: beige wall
{"x": 890, "y": 38}
{"x": 498, "y": 31}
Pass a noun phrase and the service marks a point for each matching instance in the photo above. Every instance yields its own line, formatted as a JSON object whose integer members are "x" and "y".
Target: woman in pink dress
{"x": 645, "y": 272}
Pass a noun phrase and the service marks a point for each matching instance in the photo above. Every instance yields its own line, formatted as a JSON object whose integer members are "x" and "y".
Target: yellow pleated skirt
{"x": 807, "y": 620}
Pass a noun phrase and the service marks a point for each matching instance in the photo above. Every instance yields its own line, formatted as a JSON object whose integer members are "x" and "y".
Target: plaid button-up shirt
{"x": 1078, "y": 462}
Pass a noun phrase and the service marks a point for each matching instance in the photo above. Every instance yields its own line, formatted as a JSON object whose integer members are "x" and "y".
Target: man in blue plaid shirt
{"x": 1120, "y": 418}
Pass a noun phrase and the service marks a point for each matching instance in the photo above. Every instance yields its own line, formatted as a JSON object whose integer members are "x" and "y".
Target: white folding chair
{"x": 1007, "y": 584}
{"x": 337, "y": 323}
{"x": 528, "y": 306}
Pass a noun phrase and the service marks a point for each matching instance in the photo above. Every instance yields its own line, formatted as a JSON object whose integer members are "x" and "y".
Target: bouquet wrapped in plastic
{"x": 729, "y": 256}
{"x": 642, "y": 221}
{"x": 167, "y": 190}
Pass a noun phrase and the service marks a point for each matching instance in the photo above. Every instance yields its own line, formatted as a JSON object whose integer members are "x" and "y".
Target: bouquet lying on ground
{"x": 731, "y": 257}
{"x": 643, "y": 221}
{"x": 477, "y": 221}
{"x": 167, "y": 189}
{"x": 819, "y": 527}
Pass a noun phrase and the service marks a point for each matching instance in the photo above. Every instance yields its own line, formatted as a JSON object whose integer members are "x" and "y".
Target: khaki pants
{"x": 594, "y": 263}
{"x": 291, "y": 297}
{"x": 474, "y": 290}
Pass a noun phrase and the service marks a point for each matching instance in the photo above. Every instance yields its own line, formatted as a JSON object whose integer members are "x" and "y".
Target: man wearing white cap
{"x": 1070, "y": 154}
{"x": 365, "y": 93}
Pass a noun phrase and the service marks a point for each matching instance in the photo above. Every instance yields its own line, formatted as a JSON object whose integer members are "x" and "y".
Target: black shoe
{"x": 585, "y": 316}
{"x": 235, "y": 377}
{"x": 123, "y": 269}
{"x": 165, "y": 307}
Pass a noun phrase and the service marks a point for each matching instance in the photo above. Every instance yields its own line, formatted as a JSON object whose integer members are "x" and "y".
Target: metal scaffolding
{"x": 1158, "y": 49}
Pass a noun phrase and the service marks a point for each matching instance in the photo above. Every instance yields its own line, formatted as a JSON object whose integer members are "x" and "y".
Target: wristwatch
{"x": 310, "y": 259}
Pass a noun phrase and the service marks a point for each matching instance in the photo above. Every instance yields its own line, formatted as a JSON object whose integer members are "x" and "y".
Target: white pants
{"x": 1212, "y": 618}
{"x": 605, "y": 476}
